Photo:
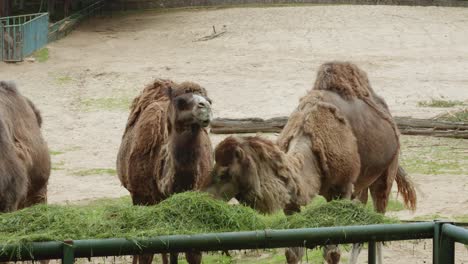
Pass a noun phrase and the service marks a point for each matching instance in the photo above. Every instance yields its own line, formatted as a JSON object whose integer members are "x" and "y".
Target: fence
{"x": 61, "y": 28}
{"x": 20, "y": 36}
{"x": 444, "y": 236}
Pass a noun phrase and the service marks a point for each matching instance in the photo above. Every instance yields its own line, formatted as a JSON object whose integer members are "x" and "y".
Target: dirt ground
{"x": 260, "y": 67}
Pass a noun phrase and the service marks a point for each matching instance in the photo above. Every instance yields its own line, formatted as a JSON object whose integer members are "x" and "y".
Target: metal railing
{"x": 20, "y": 36}
{"x": 444, "y": 236}
{"x": 63, "y": 27}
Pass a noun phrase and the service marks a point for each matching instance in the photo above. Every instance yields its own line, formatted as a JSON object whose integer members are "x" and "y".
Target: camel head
{"x": 248, "y": 169}
{"x": 189, "y": 106}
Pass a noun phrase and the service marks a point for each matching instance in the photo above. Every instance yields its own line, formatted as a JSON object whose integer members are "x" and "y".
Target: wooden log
{"x": 407, "y": 126}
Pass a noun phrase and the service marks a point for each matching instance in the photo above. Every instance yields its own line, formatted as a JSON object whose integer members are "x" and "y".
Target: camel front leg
{"x": 293, "y": 255}
{"x": 379, "y": 252}
{"x": 353, "y": 258}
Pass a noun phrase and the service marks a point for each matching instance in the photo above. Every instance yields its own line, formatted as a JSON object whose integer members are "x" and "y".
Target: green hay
{"x": 334, "y": 213}
{"x": 185, "y": 213}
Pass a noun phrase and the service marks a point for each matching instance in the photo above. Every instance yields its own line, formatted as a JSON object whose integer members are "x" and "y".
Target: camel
{"x": 24, "y": 155}
{"x": 165, "y": 148}
{"x": 339, "y": 142}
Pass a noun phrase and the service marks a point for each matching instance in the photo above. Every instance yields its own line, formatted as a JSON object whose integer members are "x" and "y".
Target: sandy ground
{"x": 260, "y": 67}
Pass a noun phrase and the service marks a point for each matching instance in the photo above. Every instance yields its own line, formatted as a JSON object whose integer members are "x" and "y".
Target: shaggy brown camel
{"x": 24, "y": 156}
{"x": 339, "y": 142}
{"x": 165, "y": 147}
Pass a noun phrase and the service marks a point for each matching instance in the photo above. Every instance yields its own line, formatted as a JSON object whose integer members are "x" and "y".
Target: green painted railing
{"x": 20, "y": 36}
{"x": 444, "y": 236}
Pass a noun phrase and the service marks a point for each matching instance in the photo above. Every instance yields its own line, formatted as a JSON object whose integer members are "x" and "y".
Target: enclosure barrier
{"x": 444, "y": 236}
{"x": 63, "y": 27}
{"x": 20, "y": 36}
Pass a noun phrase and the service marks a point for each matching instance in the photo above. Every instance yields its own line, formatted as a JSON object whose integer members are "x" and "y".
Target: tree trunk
{"x": 5, "y": 7}
{"x": 66, "y": 7}
{"x": 407, "y": 126}
{"x": 51, "y": 7}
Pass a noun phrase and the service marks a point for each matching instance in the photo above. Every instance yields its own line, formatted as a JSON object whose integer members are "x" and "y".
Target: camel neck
{"x": 186, "y": 148}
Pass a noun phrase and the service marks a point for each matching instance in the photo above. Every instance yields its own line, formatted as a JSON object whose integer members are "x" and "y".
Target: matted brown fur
{"x": 349, "y": 81}
{"x": 144, "y": 149}
{"x": 278, "y": 181}
{"x": 24, "y": 156}
{"x": 155, "y": 160}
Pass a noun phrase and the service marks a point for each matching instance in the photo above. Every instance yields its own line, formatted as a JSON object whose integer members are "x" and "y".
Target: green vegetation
{"x": 185, "y": 213}
{"x": 54, "y": 153}
{"x": 430, "y": 155}
{"x": 63, "y": 79}
{"x": 41, "y": 55}
{"x": 456, "y": 116}
{"x": 439, "y": 103}
{"x": 58, "y": 165}
{"x": 97, "y": 171}
{"x": 111, "y": 103}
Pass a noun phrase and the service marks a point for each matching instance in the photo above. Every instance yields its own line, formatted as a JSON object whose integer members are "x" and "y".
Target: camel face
{"x": 191, "y": 109}
{"x": 234, "y": 174}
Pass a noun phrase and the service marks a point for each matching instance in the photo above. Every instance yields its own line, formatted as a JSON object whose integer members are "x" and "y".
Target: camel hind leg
{"x": 380, "y": 192}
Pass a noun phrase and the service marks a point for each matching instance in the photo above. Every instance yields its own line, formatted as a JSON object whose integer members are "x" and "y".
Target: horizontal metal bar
{"x": 22, "y": 16}
{"x": 309, "y": 237}
{"x": 458, "y": 234}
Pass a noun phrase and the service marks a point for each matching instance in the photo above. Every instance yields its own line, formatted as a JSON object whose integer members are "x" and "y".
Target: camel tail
{"x": 406, "y": 188}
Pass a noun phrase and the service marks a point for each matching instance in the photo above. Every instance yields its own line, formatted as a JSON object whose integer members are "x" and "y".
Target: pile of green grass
{"x": 185, "y": 213}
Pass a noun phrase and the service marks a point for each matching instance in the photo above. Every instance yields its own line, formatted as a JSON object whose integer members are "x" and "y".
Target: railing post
{"x": 443, "y": 246}
{"x": 371, "y": 253}
{"x": 68, "y": 256}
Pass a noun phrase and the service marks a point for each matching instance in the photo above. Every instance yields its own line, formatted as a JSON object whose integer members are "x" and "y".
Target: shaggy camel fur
{"x": 339, "y": 142}
{"x": 24, "y": 156}
{"x": 165, "y": 148}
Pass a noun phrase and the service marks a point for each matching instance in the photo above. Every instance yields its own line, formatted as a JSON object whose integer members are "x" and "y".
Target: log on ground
{"x": 407, "y": 126}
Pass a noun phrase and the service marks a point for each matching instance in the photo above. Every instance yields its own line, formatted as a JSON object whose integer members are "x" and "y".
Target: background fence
{"x": 444, "y": 236}
{"x": 20, "y": 36}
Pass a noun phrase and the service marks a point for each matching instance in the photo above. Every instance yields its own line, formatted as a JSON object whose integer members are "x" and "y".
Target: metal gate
{"x": 20, "y": 36}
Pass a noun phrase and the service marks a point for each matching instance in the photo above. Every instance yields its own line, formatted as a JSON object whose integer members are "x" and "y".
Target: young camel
{"x": 337, "y": 143}
{"x": 165, "y": 148}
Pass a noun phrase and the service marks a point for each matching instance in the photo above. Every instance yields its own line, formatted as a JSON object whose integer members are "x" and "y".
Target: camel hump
{"x": 344, "y": 78}
{"x": 333, "y": 142}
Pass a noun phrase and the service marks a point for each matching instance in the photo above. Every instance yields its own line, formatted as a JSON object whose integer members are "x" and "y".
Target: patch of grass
{"x": 63, "y": 79}
{"x": 439, "y": 103}
{"x": 431, "y": 217}
{"x": 184, "y": 213}
{"x": 41, "y": 55}
{"x": 456, "y": 116}
{"x": 97, "y": 171}
{"x": 58, "y": 165}
{"x": 111, "y": 103}
{"x": 430, "y": 155}
{"x": 54, "y": 153}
